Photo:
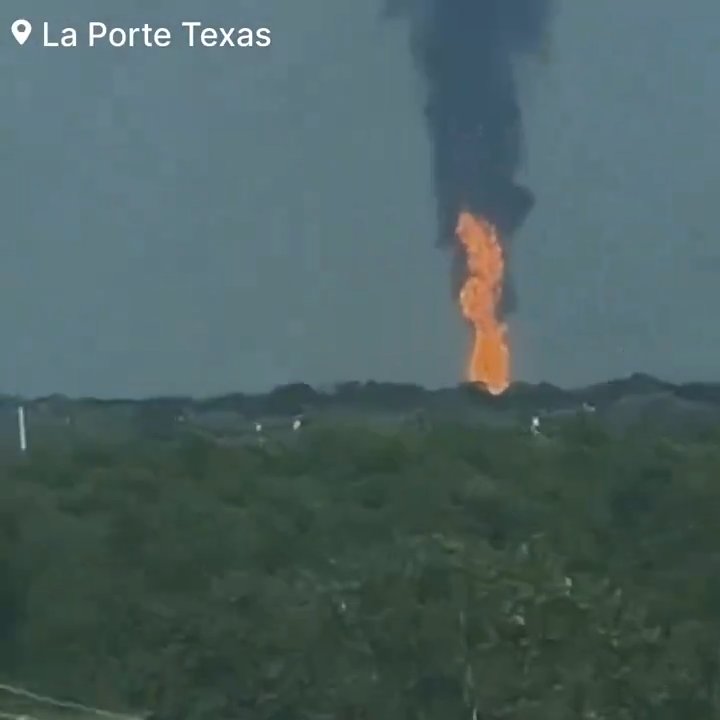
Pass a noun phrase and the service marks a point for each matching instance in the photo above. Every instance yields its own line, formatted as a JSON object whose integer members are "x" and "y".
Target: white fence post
{"x": 21, "y": 428}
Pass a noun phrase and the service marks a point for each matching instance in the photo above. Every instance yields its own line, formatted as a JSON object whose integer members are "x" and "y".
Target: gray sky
{"x": 198, "y": 221}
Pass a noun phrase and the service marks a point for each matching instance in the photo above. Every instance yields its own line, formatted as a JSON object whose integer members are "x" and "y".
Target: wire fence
{"x": 18, "y": 703}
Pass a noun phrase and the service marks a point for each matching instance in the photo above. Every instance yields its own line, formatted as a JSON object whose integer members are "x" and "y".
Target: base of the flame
{"x": 483, "y": 387}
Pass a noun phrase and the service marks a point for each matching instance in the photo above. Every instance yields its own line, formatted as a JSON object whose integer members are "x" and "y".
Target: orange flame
{"x": 489, "y": 361}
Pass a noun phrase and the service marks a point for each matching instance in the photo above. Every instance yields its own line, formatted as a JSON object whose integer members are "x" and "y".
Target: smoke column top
{"x": 466, "y": 51}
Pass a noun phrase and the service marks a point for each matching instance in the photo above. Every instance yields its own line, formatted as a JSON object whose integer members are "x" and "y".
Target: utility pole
{"x": 21, "y": 429}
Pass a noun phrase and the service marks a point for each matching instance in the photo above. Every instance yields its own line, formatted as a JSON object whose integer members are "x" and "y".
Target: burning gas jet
{"x": 466, "y": 50}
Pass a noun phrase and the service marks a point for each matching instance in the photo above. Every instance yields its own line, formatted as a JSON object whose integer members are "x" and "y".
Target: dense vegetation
{"x": 424, "y": 574}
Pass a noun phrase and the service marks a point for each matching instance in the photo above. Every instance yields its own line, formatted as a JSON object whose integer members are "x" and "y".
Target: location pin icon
{"x": 21, "y": 30}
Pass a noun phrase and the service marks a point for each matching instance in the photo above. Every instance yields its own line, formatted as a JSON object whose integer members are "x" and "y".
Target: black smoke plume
{"x": 466, "y": 50}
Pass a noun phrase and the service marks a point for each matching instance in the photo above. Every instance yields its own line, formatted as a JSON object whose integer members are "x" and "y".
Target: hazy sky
{"x": 196, "y": 221}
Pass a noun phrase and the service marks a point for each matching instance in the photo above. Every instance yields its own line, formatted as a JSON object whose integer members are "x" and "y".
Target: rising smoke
{"x": 466, "y": 50}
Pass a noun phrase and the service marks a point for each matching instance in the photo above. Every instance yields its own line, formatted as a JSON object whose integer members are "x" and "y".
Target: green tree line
{"x": 420, "y": 574}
